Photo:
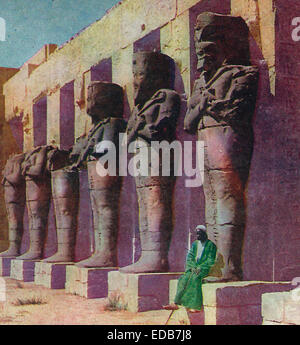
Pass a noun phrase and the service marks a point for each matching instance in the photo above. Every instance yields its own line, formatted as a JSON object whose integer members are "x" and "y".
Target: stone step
{"x": 51, "y": 275}
{"x": 87, "y": 282}
{"x": 5, "y": 264}
{"x": 23, "y": 270}
{"x": 235, "y": 303}
{"x": 281, "y": 308}
{"x": 140, "y": 292}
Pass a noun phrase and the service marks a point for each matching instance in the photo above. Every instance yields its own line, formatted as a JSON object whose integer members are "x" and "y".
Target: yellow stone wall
{"x": 260, "y": 17}
{"x": 113, "y": 36}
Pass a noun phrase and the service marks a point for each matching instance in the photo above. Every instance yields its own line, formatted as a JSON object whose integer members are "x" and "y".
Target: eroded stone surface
{"x": 22, "y": 270}
{"x": 141, "y": 292}
{"x": 50, "y": 275}
{"x": 87, "y": 282}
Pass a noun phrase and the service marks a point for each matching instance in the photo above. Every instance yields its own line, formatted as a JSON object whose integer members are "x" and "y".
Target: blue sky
{"x": 32, "y": 23}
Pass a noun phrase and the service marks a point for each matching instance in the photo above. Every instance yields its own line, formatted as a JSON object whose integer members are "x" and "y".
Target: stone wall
{"x": 8, "y": 146}
{"x": 49, "y": 94}
{"x": 237, "y": 303}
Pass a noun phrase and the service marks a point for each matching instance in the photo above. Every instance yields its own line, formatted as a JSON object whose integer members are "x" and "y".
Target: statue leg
{"x": 227, "y": 162}
{"x": 210, "y": 203}
{"x": 38, "y": 201}
{"x": 229, "y": 189}
{"x": 155, "y": 207}
{"x": 15, "y": 206}
{"x": 65, "y": 192}
{"x": 104, "y": 195}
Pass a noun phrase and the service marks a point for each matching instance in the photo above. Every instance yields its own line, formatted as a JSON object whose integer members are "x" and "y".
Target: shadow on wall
{"x": 259, "y": 233}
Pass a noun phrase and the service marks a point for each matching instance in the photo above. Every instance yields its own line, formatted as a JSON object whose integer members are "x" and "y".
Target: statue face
{"x": 151, "y": 72}
{"x": 206, "y": 62}
{"x": 143, "y": 88}
{"x": 94, "y": 107}
{"x": 104, "y": 100}
{"x": 206, "y": 57}
{"x": 209, "y": 57}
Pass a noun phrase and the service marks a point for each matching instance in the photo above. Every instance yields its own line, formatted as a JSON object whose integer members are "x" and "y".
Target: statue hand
{"x": 200, "y": 101}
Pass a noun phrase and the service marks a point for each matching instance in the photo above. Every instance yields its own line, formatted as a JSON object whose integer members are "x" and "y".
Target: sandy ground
{"x": 59, "y": 308}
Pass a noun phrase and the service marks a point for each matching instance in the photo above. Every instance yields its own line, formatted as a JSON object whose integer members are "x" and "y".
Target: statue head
{"x": 229, "y": 33}
{"x": 152, "y": 71}
{"x": 210, "y": 57}
{"x": 104, "y": 100}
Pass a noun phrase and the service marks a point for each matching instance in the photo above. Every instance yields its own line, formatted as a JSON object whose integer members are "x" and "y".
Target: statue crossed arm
{"x": 237, "y": 96}
{"x": 157, "y": 119}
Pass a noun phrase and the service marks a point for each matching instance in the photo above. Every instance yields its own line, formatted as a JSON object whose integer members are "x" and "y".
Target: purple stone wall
{"x": 286, "y": 133}
{"x": 273, "y": 232}
{"x": 102, "y": 71}
{"x": 40, "y": 122}
{"x": 67, "y": 116}
{"x": 150, "y": 42}
{"x": 16, "y": 126}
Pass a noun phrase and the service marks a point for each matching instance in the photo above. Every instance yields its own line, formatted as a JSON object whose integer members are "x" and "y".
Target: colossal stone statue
{"x": 65, "y": 195}
{"x": 38, "y": 194}
{"x": 220, "y": 111}
{"x": 35, "y": 166}
{"x": 154, "y": 118}
{"x": 14, "y": 194}
{"x": 105, "y": 106}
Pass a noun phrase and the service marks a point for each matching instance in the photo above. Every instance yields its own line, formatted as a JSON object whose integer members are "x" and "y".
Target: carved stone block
{"x": 87, "y": 282}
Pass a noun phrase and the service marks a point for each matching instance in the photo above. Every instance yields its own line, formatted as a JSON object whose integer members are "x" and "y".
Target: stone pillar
{"x": 260, "y": 18}
{"x": 122, "y": 71}
{"x": 28, "y": 128}
{"x": 82, "y": 121}
{"x": 175, "y": 42}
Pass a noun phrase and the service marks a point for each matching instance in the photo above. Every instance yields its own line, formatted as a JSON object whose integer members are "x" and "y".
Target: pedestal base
{"x": 87, "y": 282}
{"x": 51, "y": 275}
{"x": 141, "y": 292}
{"x": 236, "y": 303}
{"x": 5, "y": 264}
{"x": 22, "y": 270}
{"x": 281, "y": 308}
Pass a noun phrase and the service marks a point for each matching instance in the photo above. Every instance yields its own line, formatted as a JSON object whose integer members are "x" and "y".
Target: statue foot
{"x": 98, "y": 260}
{"x": 11, "y": 252}
{"x": 30, "y": 256}
{"x": 59, "y": 258}
{"x": 147, "y": 264}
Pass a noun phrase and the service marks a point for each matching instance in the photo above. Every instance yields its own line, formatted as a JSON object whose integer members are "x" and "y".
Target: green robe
{"x": 189, "y": 292}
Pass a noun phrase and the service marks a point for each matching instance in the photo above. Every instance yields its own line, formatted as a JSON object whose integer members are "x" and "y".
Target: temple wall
{"x": 103, "y": 51}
